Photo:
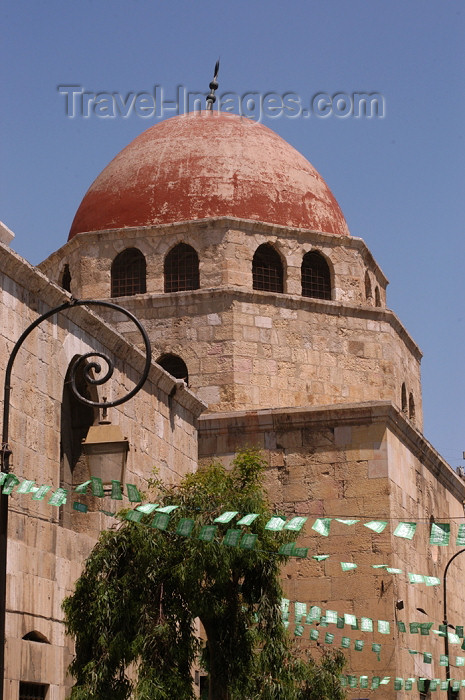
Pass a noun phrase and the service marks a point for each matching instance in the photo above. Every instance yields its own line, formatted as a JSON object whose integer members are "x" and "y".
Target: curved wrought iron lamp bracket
{"x": 82, "y": 360}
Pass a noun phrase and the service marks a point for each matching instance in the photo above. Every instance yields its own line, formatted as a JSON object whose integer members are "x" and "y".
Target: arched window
{"x": 128, "y": 273}
{"x": 174, "y": 365}
{"x": 368, "y": 291}
{"x": 76, "y": 419}
{"x": 181, "y": 269}
{"x": 66, "y": 279}
{"x": 267, "y": 269}
{"x": 403, "y": 398}
{"x": 316, "y": 276}
{"x": 411, "y": 407}
{"x": 377, "y": 297}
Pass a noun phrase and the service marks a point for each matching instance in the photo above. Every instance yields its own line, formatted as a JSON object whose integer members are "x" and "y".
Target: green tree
{"x": 133, "y": 614}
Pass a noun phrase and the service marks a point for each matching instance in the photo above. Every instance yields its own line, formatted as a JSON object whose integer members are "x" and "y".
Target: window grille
{"x": 181, "y": 269}
{"x": 128, "y": 273}
{"x": 32, "y": 691}
{"x": 316, "y": 276}
{"x": 267, "y": 270}
{"x": 175, "y": 366}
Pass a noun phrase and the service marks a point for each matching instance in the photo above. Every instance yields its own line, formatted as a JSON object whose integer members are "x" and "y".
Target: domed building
{"x": 232, "y": 251}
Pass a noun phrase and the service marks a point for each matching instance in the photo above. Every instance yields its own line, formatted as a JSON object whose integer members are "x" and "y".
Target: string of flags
{"x": 422, "y": 684}
{"x": 440, "y": 533}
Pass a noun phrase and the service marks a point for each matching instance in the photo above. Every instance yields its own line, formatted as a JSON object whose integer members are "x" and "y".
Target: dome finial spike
{"x": 211, "y": 98}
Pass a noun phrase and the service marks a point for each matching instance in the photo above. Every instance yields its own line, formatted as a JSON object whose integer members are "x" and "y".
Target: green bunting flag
{"x": 314, "y": 634}
{"x": 25, "y": 486}
{"x": 329, "y": 638}
{"x": 340, "y": 623}
{"x": 359, "y": 644}
{"x": 345, "y": 642}
{"x": 439, "y": 534}
{"x": 226, "y": 517}
{"x": 322, "y": 525}
{"x": 116, "y": 494}
{"x": 147, "y": 508}
{"x": 97, "y": 486}
{"x": 414, "y": 627}
{"x": 134, "y": 516}
{"x": 427, "y": 657}
{"x": 82, "y": 488}
{"x": 443, "y": 660}
{"x": 460, "y": 541}
{"x": 376, "y": 525}
{"x": 160, "y": 521}
{"x": 207, "y": 533}
{"x": 432, "y": 581}
{"x": 375, "y": 681}
{"x": 385, "y": 680}
{"x": 425, "y": 628}
{"x": 331, "y": 617}
{"x": 133, "y": 493}
{"x": 409, "y": 683}
{"x": 460, "y": 660}
{"x": 298, "y": 630}
{"x": 416, "y": 578}
{"x": 58, "y": 498}
{"x": 275, "y": 524}
{"x": 41, "y": 492}
{"x": 383, "y": 627}
{"x": 350, "y": 619}
{"x": 376, "y": 648}
{"x": 405, "y": 530}
{"x": 295, "y": 524}
{"x": 167, "y": 509}
{"x": 300, "y": 609}
{"x": 287, "y": 549}
{"x": 390, "y": 570}
{"x": 185, "y": 527}
{"x": 314, "y": 614}
{"x": 353, "y": 681}
{"x": 248, "y": 519}
{"x": 300, "y": 552}
{"x": 80, "y": 507}
{"x": 398, "y": 683}
{"x": 453, "y": 638}
{"x": 379, "y": 566}
{"x": 401, "y": 626}
{"x": 9, "y": 483}
{"x": 248, "y": 541}
{"x": 348, "y": 566}
{"x": 364, "y": 681}
{"x": 459, "y": 631}
{"x": 232, "y": 537}
{"x": 366, "y": 624}
{"x": 346, "y": 521}
{"x": 320, "y": 557}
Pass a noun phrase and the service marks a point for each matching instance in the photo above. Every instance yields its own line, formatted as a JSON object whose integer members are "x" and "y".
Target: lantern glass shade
{"x": 106, "y": 450}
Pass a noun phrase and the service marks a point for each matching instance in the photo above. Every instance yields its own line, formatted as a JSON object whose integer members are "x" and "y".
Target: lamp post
{"x": 450, "y": 695}
{"x": 89, "y": 367}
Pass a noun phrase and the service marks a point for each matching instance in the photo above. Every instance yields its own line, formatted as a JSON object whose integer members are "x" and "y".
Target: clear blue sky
{"x": 399, "y": 180}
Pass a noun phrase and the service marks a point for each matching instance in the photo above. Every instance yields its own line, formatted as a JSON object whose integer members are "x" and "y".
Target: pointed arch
{"x": 267, "y": 269}
{"x": 411, "y": 407}
{"x": 316, "y": 276}
{"x": 181, "y": 269}
{"x": 403, "y": 398}
{"x": 368, "y": 289}
{"x": 128, "y": 273}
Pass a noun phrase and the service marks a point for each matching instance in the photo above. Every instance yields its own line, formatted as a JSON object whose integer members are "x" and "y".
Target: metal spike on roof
{"x": 211, "y": 97}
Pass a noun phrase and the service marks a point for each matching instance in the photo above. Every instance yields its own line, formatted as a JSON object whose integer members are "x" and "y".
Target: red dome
{"x": 207, "y": 165}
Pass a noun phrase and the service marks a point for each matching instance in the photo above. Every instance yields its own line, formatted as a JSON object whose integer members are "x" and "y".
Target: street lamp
{"x": 450, "y": 694}
{"x": 106, "y": 450}
{"x": 114, "y": 447}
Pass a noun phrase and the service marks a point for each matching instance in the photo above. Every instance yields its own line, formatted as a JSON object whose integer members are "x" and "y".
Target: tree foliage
{"x": 134, "y": 611}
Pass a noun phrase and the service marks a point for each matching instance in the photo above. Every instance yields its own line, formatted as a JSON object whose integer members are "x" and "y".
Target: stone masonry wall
{"x": 45, "y": 557}
{"x": 365, "y": 462}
